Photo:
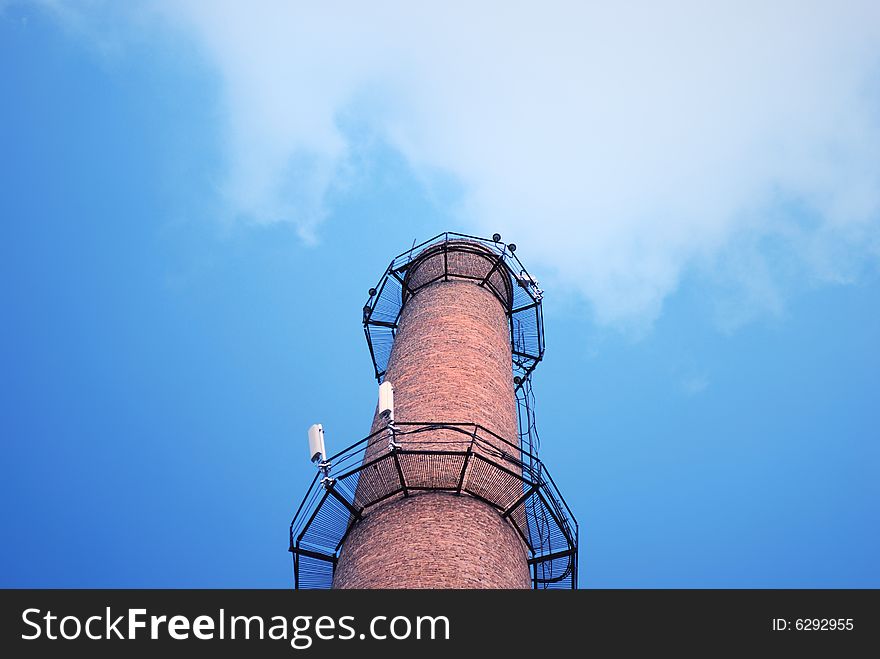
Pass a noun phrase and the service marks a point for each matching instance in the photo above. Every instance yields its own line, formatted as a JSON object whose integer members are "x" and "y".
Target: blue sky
{"x": 183, "y": 274}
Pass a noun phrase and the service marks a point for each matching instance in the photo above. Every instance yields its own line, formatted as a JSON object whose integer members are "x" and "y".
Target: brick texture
{"x": 450, "y": 363}
{"x": 433, "y": 540}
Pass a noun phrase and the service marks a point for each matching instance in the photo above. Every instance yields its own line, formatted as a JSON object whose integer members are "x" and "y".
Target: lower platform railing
{"x": 463, "y": 459}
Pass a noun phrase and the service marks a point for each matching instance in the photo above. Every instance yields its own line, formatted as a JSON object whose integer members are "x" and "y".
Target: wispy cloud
{"x": 694, "y": 384}
{"x": 627, "y": 144}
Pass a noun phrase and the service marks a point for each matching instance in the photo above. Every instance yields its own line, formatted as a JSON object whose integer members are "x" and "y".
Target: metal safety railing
{"x": 506, "y": 277}
{"x": 463, "y": 459}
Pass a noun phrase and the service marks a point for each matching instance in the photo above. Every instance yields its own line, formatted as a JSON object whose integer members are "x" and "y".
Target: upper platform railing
{"x": 506, "y": 278}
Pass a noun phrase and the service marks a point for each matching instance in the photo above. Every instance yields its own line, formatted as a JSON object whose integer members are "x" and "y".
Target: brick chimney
{"x": 450, "y": 363}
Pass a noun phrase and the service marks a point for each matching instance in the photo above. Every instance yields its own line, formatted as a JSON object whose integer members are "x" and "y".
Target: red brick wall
{"x": 450, "y": 362}
{"x": 433, "y": 540}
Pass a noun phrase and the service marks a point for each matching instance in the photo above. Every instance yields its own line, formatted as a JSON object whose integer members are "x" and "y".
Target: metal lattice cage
{"x": 464, "y": 459}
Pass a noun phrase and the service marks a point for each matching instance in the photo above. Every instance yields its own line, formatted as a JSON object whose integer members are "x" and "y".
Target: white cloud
{"x": 621, "y": 144}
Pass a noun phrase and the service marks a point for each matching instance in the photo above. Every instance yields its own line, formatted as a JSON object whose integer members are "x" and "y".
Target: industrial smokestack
{"x": 447, "y": 490}
{"x": 451, "y": 362}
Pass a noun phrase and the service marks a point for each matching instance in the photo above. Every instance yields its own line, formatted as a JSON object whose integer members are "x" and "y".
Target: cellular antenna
{"x": 386, "y": 412}
{"x": 318, "y": 452}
